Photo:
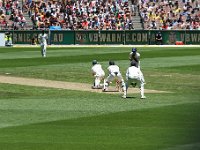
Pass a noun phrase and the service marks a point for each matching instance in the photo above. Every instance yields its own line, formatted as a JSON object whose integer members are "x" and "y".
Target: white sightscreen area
{"x": 2, "y": 39}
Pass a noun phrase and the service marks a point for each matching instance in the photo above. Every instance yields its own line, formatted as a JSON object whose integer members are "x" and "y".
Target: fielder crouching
{"x": 114, "y": 74}
{"x": 134, "y": 76}
{"x": 98, "y": 74}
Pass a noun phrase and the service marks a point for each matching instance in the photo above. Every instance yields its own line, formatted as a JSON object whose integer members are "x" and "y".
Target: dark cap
{"x": 134, "y": 49}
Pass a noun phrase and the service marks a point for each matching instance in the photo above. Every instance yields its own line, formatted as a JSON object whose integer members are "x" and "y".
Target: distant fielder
{"x": 134, "y": 75}
{"x": 43, "y": 43}
{"x": 98, "y": 74}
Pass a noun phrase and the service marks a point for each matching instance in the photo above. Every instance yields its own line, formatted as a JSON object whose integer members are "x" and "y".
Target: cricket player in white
{"x": 43, "y": 43}
{"x": 114, "y": 73}
{"x": 98, "y": 74}
{"x": 134, "y": 75}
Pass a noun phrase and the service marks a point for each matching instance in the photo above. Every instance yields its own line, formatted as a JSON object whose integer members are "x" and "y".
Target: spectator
{"x": 159, "y": 39}
{"x": 34, "y": 41}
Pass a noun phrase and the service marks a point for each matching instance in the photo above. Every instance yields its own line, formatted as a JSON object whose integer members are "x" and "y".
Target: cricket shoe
{"x": 96, "y": 87}
{"x": 143, "y": 97}
{"x": 104, "y": 90}
{"x": 124, "y": 96}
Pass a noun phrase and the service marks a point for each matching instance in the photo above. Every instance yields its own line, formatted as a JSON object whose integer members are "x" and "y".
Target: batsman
{"x": 134, "y": 57}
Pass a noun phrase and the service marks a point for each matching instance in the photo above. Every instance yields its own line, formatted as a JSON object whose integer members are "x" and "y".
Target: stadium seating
{"x": 168, "y": 14}
{"x": 100, "y": 15}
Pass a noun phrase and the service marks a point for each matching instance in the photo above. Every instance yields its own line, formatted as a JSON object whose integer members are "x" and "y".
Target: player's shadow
{"x": 130, "y": 97}
{"x": 108, "y": 91}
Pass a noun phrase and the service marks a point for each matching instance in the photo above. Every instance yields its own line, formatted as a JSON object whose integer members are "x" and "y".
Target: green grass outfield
{"x": 39, "y": 118}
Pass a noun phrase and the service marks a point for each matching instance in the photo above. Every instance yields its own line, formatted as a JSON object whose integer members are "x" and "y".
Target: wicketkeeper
{"x": 134, "y": 76}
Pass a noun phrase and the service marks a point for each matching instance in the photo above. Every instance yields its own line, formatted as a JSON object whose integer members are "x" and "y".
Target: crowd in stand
{"x": 68, "y": 14}
{"x": 100, "y": 14}
{"x": 81, "y": 14}
{"x": 170, "y": 15}
{"x": 11, "y": 14}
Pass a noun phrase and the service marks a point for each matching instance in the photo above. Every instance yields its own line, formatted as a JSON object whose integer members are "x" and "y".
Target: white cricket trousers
{"x": 43, "y": 50}
{"x": 138, "y": 81}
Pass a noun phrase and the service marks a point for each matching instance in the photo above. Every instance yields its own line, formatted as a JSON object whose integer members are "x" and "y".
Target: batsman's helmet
{"x": 94, "y": 62}
{"x": 134, "y": 50}
{"x": 111, "y": 62}
{"x": 133, "y": 63}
